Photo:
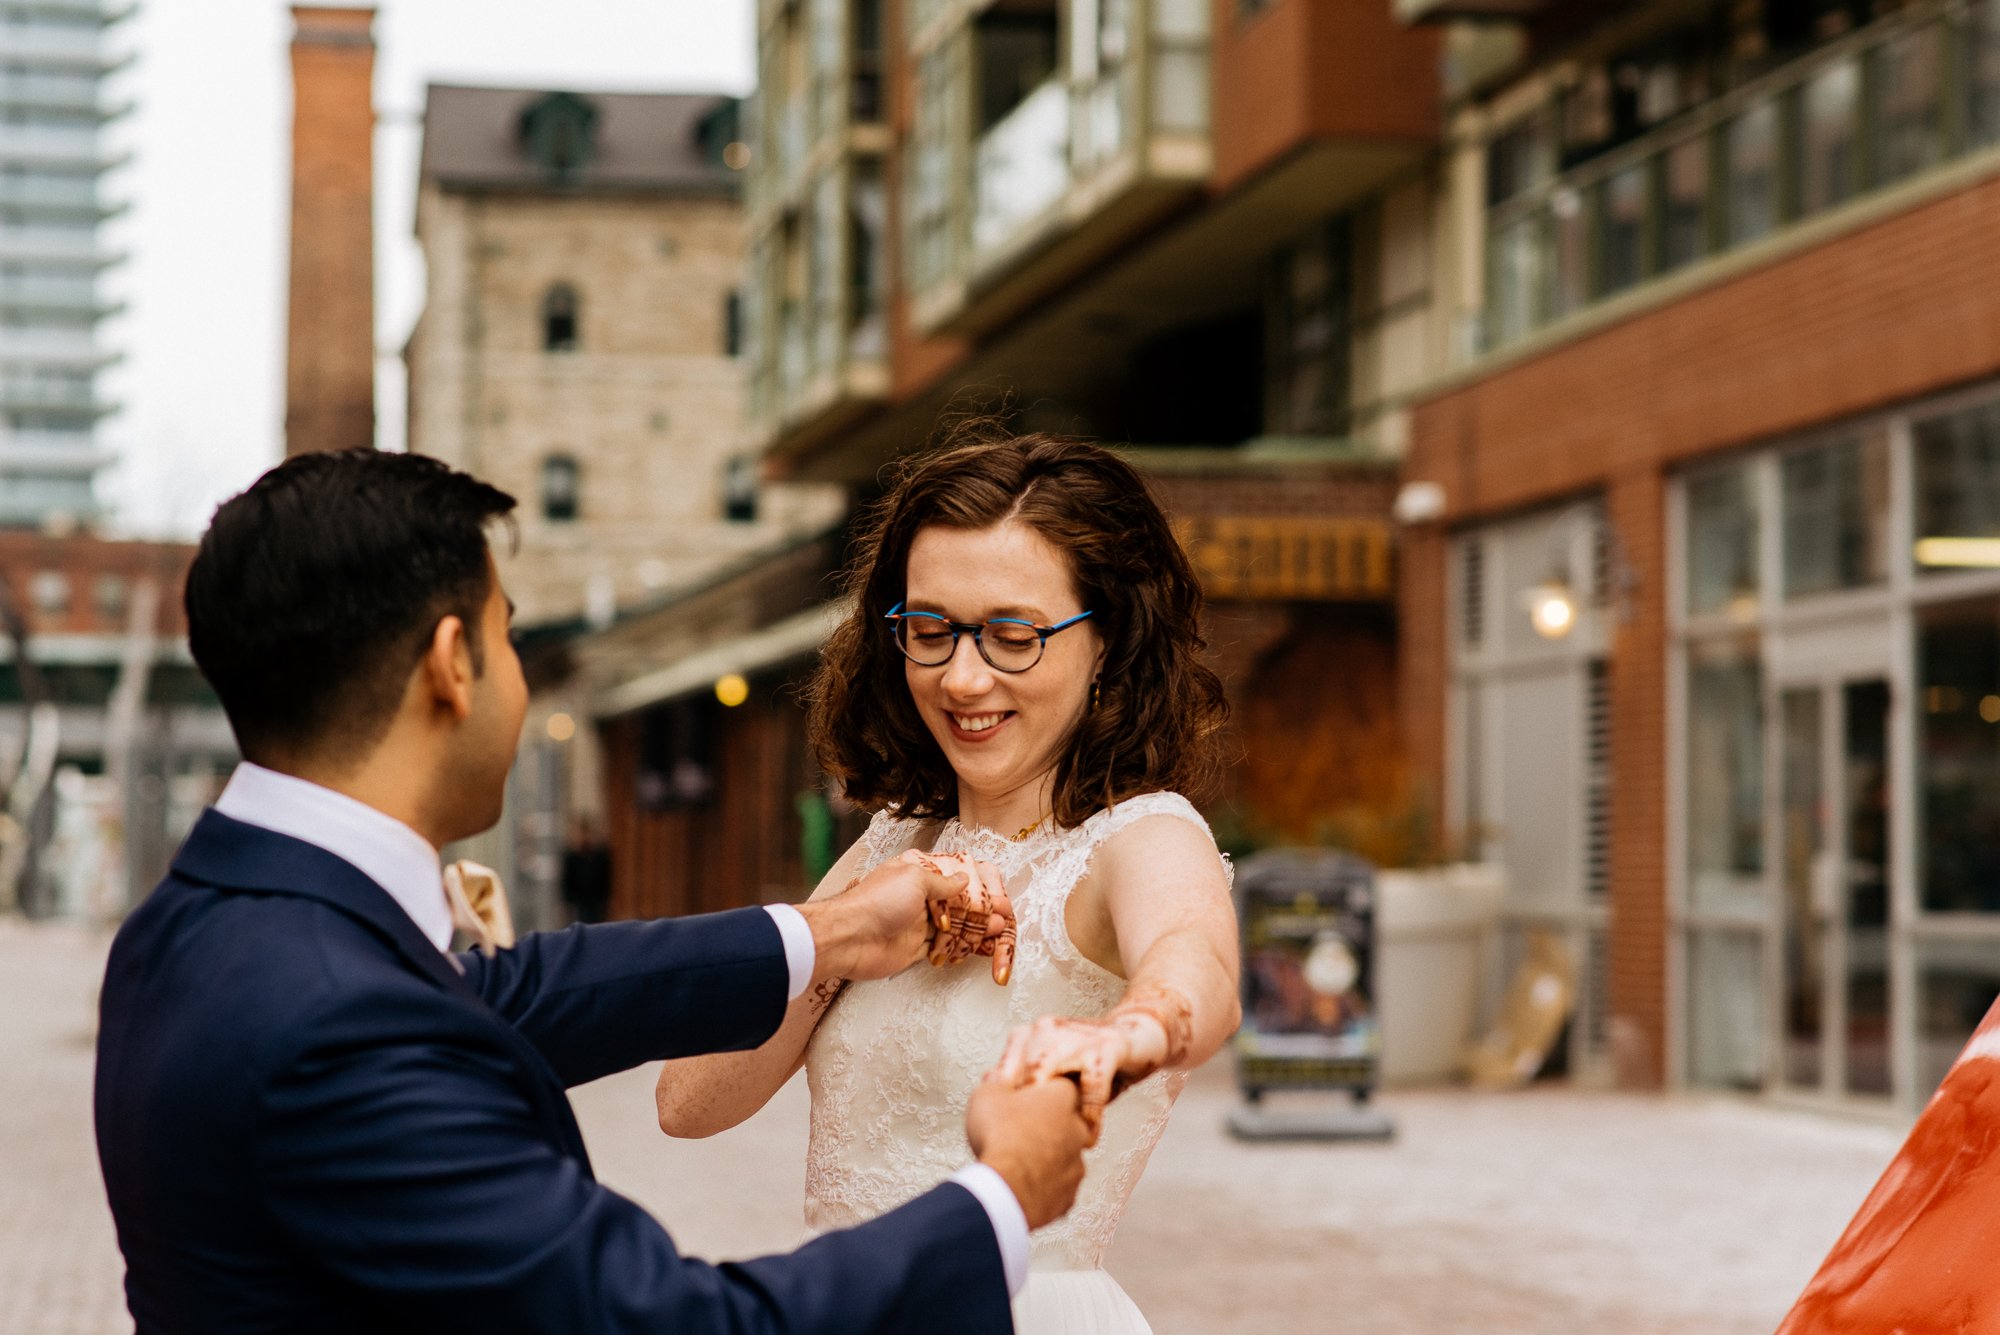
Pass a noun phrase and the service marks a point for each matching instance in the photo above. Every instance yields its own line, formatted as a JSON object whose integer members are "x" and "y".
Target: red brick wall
{"x": 1304, "y": 70}
{"x": 83, "y": 561}
{"x": 330, "y": 373}
{"x": 1902, "y": 308}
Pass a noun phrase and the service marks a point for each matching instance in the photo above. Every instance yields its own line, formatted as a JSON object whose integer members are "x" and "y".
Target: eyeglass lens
{"x": 928, "y": 641}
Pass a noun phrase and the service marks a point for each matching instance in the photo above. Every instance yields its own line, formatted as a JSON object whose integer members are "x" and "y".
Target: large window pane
{"x": 1958, "y": 482}
{"x": 1828, "y": 107}
{"x": 1684, "y": 213}
{"x": 1725, "y": 1019}
{"x": 1722, "y": 543}
{"x": 1622, "y": 235}
{"x": 1909, "y": 103}
{"x": 1959, "y": 980}
{"x": 1569, "y": 276}
{"x": 1958, "y": 756}
{"x": 1513, "y": 275}
{"x": 1836, "y": 516}
{"x": 1982, "y": 71}
{"x": 1752, "y": 163}
{"x": 1725, "y": 778}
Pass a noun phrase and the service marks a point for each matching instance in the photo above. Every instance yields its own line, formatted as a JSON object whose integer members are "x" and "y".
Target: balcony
{"x": 51, "y": 196}
{"x": 63, "y": 48}
{"x": 76, "y": 248}
{"x": 56, "y": 396}
{"x": 54, "y": 294}
{"x": 72, "y": 454}
{"x": 1881, "y": 108}
{"x": 55, "y": 349}
{"x": 1107, "y": 135}
{"x": 75, "y": 94}
{"x": 75, "y": 149}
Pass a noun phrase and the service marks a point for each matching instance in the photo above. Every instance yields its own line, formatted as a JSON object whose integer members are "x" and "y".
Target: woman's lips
{"x": 984, "y": 725}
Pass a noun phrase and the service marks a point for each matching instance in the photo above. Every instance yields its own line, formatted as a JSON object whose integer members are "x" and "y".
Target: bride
{"x": 1019, "y": 688}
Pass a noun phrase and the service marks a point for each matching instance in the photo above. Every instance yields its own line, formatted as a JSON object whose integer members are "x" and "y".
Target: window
{"x": 1958, "y": 756}
{"x": 1722, "y": 524}
{"x": 559, "y": 318}
{"x": 48, "y": 590}
{"x": 1836, "y": 515}
{"x": 1312, "y": 333}
{"x": 113, "y": 594}
{"x": 562, "y": 485}
{"x": 739, "y": 491}
{"x": 1957, "y": 479}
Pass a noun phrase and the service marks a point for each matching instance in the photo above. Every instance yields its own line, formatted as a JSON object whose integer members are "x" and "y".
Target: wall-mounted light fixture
{"x": 1586, "y": 564}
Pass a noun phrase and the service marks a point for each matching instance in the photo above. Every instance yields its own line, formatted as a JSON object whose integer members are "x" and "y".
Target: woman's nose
{"x": 965, "y": 672}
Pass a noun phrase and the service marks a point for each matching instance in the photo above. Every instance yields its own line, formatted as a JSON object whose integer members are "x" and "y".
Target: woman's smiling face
{"x": 1002, "y": 732}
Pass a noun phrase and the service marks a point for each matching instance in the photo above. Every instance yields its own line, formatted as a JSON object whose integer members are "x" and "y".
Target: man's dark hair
{"x": 315, "y": 592}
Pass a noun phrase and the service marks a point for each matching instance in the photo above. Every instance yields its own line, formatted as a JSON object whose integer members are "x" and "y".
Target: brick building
{"x": 577, "y": 345}
{"x": 1196, "y": 231}
{"x": 1727, "y": 419}
{"x": 110, "y": 742}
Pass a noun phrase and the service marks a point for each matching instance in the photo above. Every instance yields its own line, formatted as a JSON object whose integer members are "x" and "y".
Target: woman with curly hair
{"x": 1017, "y": 692}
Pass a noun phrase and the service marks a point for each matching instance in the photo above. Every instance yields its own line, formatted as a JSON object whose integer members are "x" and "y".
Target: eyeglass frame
{"x": 896, "y": 615}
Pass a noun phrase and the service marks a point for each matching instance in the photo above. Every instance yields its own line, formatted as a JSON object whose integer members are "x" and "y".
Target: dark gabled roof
{"x": 641, "y": 142}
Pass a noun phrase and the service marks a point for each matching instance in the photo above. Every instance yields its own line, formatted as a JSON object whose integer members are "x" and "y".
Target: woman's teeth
{"x": 977, "y": 722}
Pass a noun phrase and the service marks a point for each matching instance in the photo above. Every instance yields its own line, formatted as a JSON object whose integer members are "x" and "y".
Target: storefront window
{"x": 1836, "y": 516}
{"x": 1959, "y": 982}
{"x": 1722, "y": 543}
{"x": 1725, "y": 747}
{"x": 1725, "y": 1010}
{"x": 1957, "y": 482}
{"x": 1958, "y": 756}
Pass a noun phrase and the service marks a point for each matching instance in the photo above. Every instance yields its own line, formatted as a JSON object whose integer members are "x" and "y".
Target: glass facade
{"x": 1801, "y": 715}
{"x": 1720, "y": 136}
{"x": 53, "y": 108}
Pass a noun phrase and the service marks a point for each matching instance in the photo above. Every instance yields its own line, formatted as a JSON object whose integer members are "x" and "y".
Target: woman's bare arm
{"x": 699, "y": 1096}
{"x": 1156, "y": 910}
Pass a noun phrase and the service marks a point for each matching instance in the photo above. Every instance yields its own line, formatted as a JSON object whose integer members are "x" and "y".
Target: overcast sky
{"x": 203, "y": 380}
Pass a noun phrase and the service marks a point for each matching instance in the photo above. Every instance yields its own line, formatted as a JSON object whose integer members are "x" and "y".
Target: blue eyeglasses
{"x": 1008, "y": 644}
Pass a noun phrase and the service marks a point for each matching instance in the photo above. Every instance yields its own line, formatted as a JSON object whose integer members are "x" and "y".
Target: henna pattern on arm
{"x": 823, "y": 995}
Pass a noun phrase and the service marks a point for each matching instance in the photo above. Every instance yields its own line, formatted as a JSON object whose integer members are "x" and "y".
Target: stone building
{"x": 578, "y": 346}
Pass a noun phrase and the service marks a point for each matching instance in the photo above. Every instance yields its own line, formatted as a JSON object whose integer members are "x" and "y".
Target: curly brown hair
{"x": 1158, "y": 717}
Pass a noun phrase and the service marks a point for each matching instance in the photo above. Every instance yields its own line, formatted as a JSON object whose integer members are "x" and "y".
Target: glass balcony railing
{"x": 58, "y": 92}
{"x": 35, "y": 292}
{"x": 1021, "y": 166}
{"x": 52, "y": 194}
{"x": 38, "y": 394}
{"x": 1880, "y": 107}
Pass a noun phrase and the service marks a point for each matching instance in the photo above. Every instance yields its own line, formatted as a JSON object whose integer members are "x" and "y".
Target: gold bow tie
{"x": 479, "y": 905}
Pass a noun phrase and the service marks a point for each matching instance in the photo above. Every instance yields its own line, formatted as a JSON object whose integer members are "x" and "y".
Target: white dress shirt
{"x": 405, "y": 864}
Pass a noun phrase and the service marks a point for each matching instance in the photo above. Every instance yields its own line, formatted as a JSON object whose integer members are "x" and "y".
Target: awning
{"x": 768, "y": 646}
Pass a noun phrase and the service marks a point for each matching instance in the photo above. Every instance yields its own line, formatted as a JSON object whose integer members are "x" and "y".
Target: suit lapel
{"x": 235, "y": 855}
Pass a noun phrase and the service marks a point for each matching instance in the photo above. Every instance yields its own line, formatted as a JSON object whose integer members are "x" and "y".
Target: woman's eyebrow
{"x": 1014, "y": 610}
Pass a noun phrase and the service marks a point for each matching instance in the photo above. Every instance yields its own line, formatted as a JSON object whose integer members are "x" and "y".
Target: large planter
{"x": 1433, "y": 934}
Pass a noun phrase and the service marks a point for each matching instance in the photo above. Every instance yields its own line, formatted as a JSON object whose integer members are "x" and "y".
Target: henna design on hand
{"x": 978, "y": 920}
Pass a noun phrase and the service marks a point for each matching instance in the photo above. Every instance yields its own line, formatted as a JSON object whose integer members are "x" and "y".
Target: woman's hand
{"x": 1147, "y": 1030}
{"x": 978, "y": 920}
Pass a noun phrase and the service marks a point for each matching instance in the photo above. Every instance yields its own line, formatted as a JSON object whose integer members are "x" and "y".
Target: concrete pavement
{"x": 1553, "y": 1211}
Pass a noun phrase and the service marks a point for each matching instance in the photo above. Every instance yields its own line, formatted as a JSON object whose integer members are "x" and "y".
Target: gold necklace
{"x": 1027, "y": 830}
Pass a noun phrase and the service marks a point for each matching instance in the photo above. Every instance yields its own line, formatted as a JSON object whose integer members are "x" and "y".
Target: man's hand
{"x": 880, "y": 925}
{"x": 1033, "y": 1136}
{"x": 1101, "y": 1057}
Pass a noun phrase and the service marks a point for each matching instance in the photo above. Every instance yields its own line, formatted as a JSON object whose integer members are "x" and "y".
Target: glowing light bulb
{"x": 732, "y": 690}
{"x": 1552, "y": 610}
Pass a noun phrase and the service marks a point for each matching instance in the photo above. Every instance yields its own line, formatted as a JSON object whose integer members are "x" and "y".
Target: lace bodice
{"x": 893, "y": 1062}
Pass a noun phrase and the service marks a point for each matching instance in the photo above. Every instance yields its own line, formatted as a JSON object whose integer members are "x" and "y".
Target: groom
{"x": 311, "y": 1117}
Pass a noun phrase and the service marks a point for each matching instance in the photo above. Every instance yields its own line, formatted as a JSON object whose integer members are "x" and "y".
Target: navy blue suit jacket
{"x": 310, "y": 1121}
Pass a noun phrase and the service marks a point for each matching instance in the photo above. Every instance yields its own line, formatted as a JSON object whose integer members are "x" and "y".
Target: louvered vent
{"x": 1597, "y": 783}
{"x": 1472, "y": 590}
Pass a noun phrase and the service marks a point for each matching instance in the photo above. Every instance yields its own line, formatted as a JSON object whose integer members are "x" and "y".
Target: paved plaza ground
{"x": 1552, "y": 1211}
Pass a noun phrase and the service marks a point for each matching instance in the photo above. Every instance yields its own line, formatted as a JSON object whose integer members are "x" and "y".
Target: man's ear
{"x": 447, "y": 668}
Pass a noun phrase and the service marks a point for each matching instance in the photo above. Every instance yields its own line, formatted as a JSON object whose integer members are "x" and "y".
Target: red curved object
{"x": 1919, "y": 1256}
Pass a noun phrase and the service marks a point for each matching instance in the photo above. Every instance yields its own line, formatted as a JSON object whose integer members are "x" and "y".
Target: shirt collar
{"x": 382, "y": 848}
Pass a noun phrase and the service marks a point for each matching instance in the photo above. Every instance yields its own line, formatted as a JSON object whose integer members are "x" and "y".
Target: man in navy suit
{"x": 311, "y": 1117}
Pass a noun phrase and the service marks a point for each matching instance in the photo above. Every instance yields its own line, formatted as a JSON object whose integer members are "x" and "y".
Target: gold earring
{"x": 1096, "y": 691}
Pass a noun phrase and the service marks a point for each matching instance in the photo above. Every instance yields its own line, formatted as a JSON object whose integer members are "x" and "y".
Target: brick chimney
{"x": 330, "y": 364}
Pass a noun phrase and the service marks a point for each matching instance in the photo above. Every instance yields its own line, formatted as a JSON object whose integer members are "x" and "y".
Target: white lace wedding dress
{"x": 893, "y": 1062}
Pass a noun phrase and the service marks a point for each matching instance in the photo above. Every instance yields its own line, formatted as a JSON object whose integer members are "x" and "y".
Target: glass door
{"x": 1833, "y": 800}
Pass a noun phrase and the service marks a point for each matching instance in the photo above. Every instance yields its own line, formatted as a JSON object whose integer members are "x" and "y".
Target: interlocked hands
{"x": 1151, "y": 1027}
{"x": 978, "y": 920}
